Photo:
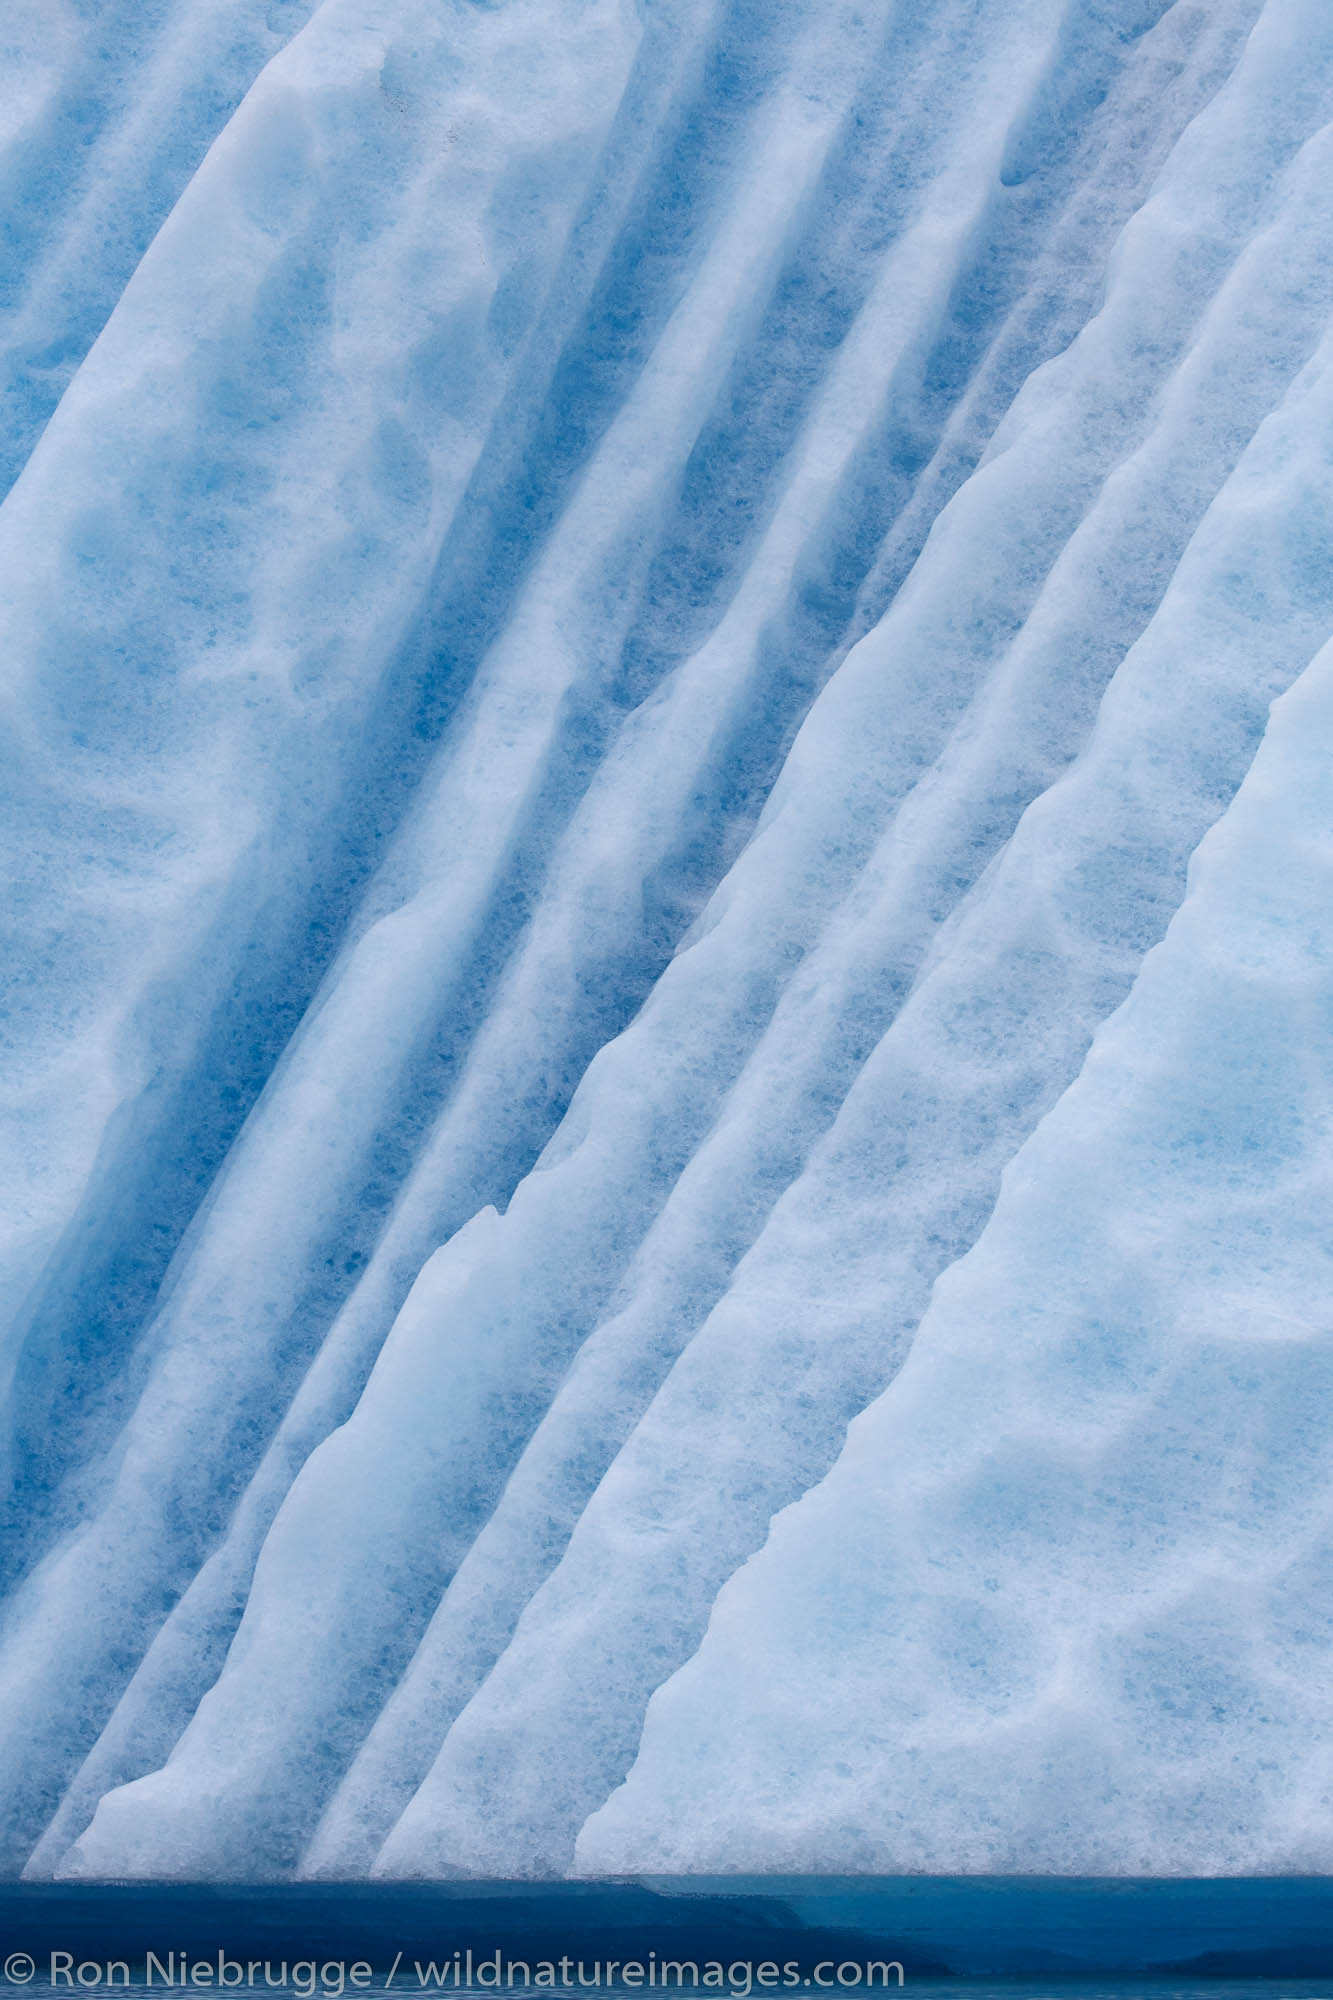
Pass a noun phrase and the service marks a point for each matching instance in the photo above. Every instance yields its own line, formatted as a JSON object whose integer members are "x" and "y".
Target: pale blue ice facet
{"x": 668, "y": 1110}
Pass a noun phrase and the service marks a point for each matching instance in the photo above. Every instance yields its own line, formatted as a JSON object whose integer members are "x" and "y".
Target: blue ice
{"x": 665, "y": 1138}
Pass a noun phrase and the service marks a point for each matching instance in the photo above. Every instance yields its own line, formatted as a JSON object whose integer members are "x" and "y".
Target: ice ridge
{"x": 666, "y": 992}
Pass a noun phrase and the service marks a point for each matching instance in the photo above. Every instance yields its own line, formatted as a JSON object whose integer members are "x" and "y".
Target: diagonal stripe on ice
{"x": 509, "y": 1351}
{"x": 108, "y": 111}
{"x": 293, "y": 389}
{"x": 488, "y": 465}
{"x": 514, "y": 712}
{"x": 819, "y": 1312}
{"x": 1072, "y": 1570}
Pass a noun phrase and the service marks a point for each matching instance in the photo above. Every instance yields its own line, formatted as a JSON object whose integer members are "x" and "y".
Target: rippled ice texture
{"x": 668, "y": 1130}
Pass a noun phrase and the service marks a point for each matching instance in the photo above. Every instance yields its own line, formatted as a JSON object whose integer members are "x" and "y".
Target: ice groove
{"x": 626, "y": 619}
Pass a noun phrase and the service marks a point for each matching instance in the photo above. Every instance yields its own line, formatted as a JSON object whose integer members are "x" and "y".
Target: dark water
{"x": 1103, "y": 1940}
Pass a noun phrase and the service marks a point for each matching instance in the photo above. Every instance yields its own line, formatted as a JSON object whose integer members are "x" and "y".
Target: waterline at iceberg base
{"x": 668, "y": 1135}
{"x": 728, "y": 1938}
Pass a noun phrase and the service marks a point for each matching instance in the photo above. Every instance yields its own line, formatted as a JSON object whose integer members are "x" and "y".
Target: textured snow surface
{"x": 668, "y": 1102}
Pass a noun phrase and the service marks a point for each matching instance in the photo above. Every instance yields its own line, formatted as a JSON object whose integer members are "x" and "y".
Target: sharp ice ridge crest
{"x": 643, "y": 641}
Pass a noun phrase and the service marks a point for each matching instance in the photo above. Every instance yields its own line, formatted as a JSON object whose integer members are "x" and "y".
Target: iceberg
{"x": 666, "y": 1118}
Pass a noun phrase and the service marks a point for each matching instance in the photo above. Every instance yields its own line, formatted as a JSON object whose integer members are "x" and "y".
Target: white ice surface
{"x": 618, "y": 641}
{"x": 1071, "y": 1571}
